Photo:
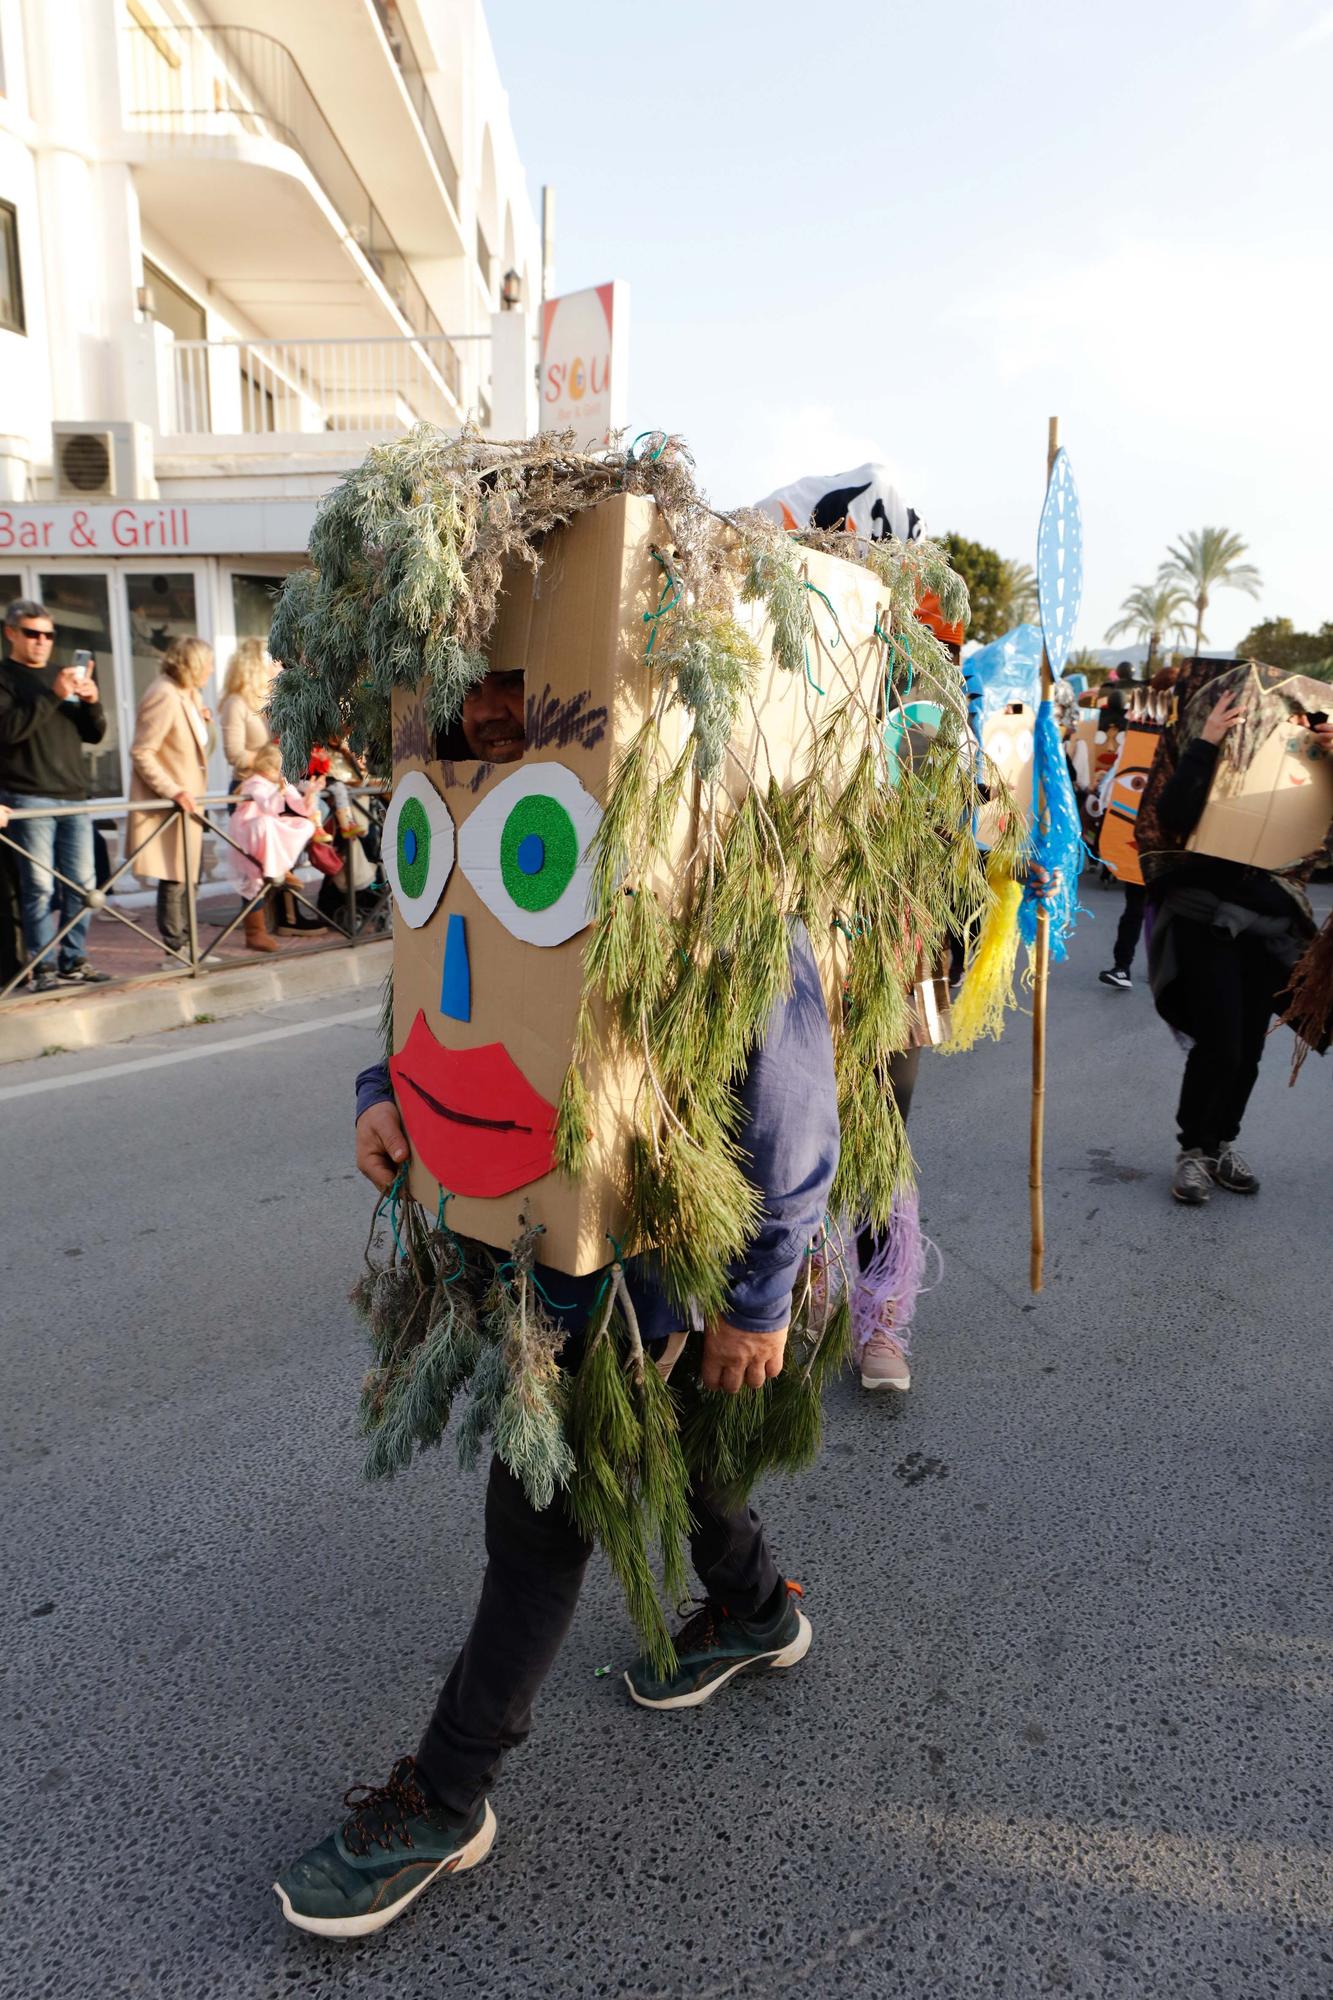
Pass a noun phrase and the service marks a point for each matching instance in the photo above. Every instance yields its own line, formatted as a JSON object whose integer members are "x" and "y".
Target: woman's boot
{"x": 256, "y": 931}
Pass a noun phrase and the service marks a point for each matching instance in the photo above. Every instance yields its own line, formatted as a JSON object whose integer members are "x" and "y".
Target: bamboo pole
{"x": 1040, "y": 972}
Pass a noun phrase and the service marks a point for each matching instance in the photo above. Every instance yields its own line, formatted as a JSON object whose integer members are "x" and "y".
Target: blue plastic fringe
{"x": 1057, "y": 842}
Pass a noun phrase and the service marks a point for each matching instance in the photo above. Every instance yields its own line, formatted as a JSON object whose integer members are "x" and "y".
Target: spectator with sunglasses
{"x": 47, "y": 715}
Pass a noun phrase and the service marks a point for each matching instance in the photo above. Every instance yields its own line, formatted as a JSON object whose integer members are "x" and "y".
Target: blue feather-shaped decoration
{"x": 1057, "y": 840}
{"x": 1060, "y": 563}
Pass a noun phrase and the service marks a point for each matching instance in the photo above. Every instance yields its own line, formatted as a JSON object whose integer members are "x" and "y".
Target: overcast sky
{"x": 912, "y": 233}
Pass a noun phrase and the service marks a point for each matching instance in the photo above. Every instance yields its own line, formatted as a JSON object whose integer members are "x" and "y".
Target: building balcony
{"x": 304, "y": 395}
{"x": 360, "y": 63}
{"x": 235, "y": 161}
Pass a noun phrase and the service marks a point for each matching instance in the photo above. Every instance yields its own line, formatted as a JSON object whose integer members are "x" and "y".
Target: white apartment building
{"x": 239, "y": 241}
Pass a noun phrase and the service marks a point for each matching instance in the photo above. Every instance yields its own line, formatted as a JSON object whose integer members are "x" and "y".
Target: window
{"x": 11, "y": 277}
{"x": 161, "y": 608}
{"x": 172, "y": 307}
{"x": 252, "y": 602}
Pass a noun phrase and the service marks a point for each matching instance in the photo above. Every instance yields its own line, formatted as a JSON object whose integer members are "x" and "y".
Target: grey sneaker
{"x": 1233, "y": 1172}
{"x": 377, "y": 1862}
{"x": 1193, "y": 1183}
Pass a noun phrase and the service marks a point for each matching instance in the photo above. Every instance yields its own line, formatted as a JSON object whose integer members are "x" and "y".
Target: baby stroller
{"x": 356, "y": 898}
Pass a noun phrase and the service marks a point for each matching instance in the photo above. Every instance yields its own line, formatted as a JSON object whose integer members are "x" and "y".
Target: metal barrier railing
{"x": 350, "y": 929}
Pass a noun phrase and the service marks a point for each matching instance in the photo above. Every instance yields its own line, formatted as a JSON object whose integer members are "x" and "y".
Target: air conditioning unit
{"x": 103, "y": 461}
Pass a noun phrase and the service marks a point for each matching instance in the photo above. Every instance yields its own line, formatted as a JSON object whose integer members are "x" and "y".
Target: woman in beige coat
{"x": 245, "y": 695}
{"x": 169, "y": 756}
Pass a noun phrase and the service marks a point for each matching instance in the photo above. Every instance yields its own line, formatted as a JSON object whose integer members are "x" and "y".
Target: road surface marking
{"x": 166, "y": 1056}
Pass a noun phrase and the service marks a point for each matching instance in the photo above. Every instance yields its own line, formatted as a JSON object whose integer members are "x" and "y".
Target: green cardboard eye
{"x": 524, "y": 850}
{"x": 418, "y": 847}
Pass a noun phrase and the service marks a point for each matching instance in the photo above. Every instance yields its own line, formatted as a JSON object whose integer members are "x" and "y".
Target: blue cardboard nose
{"x": 456, "y": 985}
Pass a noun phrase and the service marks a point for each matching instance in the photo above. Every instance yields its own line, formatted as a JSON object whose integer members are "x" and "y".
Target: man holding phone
{"x": 47, "y": 715}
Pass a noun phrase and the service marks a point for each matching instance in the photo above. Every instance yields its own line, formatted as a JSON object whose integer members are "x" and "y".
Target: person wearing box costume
{"x": 1226, "y": 932}
{"x": 648, "y": 934}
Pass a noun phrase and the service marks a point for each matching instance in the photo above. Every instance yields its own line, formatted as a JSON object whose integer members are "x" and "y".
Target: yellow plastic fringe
{"x": 988, "y": 985}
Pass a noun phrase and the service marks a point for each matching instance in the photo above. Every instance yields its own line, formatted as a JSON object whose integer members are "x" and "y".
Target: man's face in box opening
{"x": 489, "y": 874}
{"x": 492, "y": 721}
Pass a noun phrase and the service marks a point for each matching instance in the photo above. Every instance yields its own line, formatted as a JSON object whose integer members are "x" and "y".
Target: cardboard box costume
{"x": 591, "y": 942}
{"x": 1271, "y": 801}
{"x": 490, "y": 870}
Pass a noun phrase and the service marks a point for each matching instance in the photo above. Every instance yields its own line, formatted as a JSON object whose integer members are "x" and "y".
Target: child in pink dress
{"x": 273, "y": 824}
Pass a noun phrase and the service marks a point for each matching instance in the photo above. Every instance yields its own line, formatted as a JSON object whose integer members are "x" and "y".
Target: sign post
{"x": 583, "y": 384}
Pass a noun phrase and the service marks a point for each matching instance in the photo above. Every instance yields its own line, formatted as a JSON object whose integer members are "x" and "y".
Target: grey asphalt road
{"x": 1065, "y": 1724}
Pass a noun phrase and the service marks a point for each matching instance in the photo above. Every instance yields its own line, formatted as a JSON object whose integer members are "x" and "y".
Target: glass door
{"x": 79, "y": 602}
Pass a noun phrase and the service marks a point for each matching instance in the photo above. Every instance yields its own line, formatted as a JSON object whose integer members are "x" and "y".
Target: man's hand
{"x": 733, "y": 1359}
{"x": 1047, "y": 882}
{"x": 86, "y": 689}
{"x": 1324, "y": 732}
{"x": 66, "y": 684}
{"x": 1225, "y": 715}
{"x": 381, "y": 1148}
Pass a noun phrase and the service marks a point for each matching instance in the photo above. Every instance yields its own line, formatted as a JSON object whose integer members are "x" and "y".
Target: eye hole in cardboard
{"x": 492, "y": 728}
{"x": 418, "y": 847}
{"x": 524, "y": 851}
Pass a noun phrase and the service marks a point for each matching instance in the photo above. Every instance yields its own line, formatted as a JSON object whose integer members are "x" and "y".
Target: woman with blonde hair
{"x": 245, "y": 695}
{"x": 169, "y": 759}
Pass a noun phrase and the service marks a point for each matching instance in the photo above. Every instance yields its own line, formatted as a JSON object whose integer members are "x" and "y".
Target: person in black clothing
{"x": 1224, "y": 939}
{"x": 47, "y": 715}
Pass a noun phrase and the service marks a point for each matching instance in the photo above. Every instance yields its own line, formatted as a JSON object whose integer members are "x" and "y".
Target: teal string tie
{"x": 664, "y": 441}
{"x": 810, "y": 677}
{"x": 668, "y": 601}
{"x": 620, "y": 1255}
{"x": 537, "y": 1286}
{"x": 389, "y": 1200}
{"x": 837, "y": 628}
{"x": 445, "y": 1198}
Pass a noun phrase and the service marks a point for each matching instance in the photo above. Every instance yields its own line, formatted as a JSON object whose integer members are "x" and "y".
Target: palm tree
{"x": 1015, "y": 595}
{"x": 1205, "y": 560}
{"x": 1153, "y": 611}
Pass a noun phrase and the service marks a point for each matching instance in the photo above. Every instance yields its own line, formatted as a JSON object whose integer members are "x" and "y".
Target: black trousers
{"x": 1231, "y": 987}
{"x": 1130, "y": 927}
{"x": 534, "y": 1571}
{"x": 173, "y": 922}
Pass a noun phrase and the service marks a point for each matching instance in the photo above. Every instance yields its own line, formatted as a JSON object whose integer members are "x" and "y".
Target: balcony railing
{"x": 257, "y": 388}
{"x": 217, "y": 82}
{"x": 400, "y": 44}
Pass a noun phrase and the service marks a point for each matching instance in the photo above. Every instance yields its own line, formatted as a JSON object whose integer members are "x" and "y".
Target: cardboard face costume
{"x": 493, "y": 883}
{"x": 1116, "y": 845}
{"x": 593, "y": 942}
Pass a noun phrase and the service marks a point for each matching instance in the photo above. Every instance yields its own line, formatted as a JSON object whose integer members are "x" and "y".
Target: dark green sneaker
{"x": 712, "y": 1647}
{"x": 380, "y": 1860}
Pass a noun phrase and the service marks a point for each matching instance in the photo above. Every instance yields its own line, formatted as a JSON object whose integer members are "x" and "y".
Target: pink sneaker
{"x": 884, "y": 1363}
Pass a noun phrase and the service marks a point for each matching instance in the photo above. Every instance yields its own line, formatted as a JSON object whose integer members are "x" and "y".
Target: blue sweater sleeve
{"x": 791, "y": 1135}
{"x": 373, "y": 1087}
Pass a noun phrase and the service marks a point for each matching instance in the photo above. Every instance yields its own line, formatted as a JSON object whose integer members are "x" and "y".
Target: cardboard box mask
{"x": 1271, "y": 802}
{"x": 1116, "y": 845}
{"x": 1008, "y": 739}
{"x": 491, "y": 881}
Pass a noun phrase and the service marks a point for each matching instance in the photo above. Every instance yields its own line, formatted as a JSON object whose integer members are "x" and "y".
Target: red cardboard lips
{"x": 472, "y": 1116}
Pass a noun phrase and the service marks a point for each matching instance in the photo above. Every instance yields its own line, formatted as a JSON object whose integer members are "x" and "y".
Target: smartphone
{"x": 1316, "y": 718}
{"x": 81, "y": 662}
